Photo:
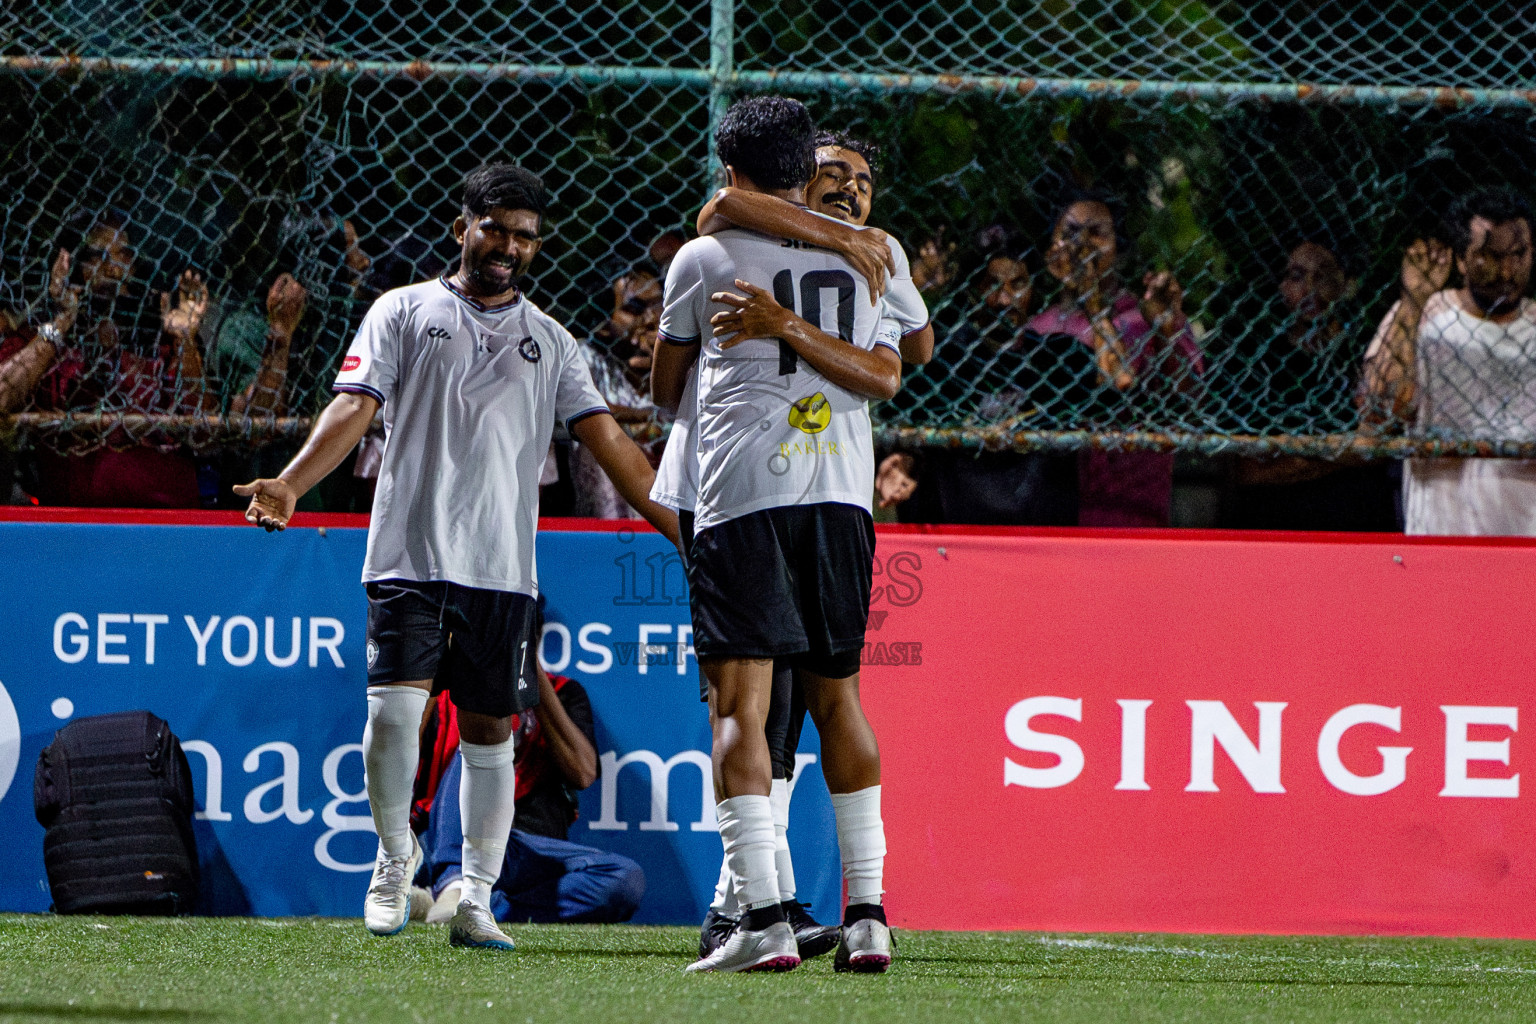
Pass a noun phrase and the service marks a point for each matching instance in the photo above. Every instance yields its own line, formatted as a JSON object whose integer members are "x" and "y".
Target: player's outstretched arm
{"x": 865, "y": 248}
{"x": 337, "y": 431}
{"x": 626, "y": 465}
{"x": 875, "y": 373}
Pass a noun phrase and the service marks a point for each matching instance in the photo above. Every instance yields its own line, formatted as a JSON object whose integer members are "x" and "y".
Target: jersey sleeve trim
{"x": 888, "y": 343}
{"x": 671, "y": 339}
{"x": 917, "y": 330}
{"x": 572, "y": 420}
{"x": 360, "y": 389}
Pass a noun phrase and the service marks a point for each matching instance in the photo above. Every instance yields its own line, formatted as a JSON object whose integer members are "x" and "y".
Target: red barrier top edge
{"x": 346, "y": 520}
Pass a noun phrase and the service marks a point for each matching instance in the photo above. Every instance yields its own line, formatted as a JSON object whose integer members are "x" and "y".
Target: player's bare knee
{"x": 827, "y": 699}
{"x": 484, "y": 729}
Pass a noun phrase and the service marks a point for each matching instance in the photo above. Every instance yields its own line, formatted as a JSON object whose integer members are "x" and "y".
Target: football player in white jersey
{"x": 781, "y": 559}
{"x": 843, "y": 188}
{"x": 471, "y": 376}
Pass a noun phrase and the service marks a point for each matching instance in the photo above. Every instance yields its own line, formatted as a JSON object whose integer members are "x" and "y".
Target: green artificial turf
{"x": 271, "y": 971}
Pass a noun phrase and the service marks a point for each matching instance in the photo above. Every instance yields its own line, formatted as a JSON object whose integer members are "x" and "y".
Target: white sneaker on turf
{"x": 387, "y": 906}
{"x": 866, "y": 947}
{"x": 772, "y": 949}
{"x": 444, "y": 906}
{"x": 474, "y": 927}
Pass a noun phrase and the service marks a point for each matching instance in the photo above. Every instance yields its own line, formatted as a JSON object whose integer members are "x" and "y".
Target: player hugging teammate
{"x": 773, "y": 457}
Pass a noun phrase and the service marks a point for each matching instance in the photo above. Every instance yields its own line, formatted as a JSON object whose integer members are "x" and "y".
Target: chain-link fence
{"x": 1276, "y": 158}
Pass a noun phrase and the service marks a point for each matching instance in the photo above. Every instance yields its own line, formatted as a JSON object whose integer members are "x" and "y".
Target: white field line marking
{"x": 1274, "y": 957}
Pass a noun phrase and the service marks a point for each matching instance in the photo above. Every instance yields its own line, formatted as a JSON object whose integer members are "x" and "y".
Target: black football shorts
{"x": 789, "y": 582}
{"x": 477, "y": 644}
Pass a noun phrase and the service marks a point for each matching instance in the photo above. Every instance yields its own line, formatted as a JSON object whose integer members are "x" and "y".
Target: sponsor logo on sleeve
{"x": 351, "y": 363}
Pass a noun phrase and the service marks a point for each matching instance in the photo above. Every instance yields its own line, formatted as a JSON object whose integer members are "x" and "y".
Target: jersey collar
{"x": 476, "y": 303}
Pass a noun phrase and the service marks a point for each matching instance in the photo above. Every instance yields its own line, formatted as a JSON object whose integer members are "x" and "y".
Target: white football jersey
{"x": 770, "y": 430}
{"x": 677, "y": 478}
{"x": 470, "y": 397}
{"x": 903, "y": 302}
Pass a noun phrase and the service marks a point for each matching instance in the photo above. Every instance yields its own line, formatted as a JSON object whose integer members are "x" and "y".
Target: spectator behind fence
{"x": 544, "y": 877}
{"x": 27, "y": 351}
{"x": 1461, "y": 363}
{"x": 619, "y": 357}
{"x": 1302, "y": 381}
{"x": 942, "y": 485}
{"x": 125, "y": 361}
{"x": 1142, "y": 347}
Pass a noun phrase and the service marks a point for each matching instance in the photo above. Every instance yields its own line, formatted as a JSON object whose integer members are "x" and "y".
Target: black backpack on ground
{"x": 115, "y": 795}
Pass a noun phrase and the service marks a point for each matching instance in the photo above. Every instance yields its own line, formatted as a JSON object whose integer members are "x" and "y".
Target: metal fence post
{"x": 722, "y": 68}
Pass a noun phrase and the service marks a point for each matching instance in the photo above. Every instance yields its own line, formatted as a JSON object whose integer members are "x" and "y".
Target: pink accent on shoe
{"x": 869, "y": 963}
{"x": 778, "y": 963}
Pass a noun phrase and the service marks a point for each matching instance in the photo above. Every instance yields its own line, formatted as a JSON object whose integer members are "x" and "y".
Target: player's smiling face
{"x": 843, "y": 186}
{"x": 498, "y": 247}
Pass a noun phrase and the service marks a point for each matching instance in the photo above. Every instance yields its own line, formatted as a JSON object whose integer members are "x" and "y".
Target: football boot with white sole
{"x": 772, "y": 949}
{"x": 473, "y": 927}
{"x": 865, "y": 947}
{"x": 387, "y": 907}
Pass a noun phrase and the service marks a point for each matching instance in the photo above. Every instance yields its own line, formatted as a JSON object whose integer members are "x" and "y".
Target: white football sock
{"x": 487, "y": 802}
{"x": 724, "y": 902}
{"x": 391, "y": 742}
{"x": 778, "y": 796}
{"x": 861, "y": 841}
{"x": 746, "y": 828}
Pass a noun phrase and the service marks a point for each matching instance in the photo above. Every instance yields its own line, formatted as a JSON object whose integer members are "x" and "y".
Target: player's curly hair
{"x": 770, "y": 139}
{"x": 1496, "y": 205}
{"x": 505, "y": 185}
{"x": 866, "y": 149}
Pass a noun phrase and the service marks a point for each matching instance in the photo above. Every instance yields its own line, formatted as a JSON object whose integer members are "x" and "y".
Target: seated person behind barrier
{"x": 544, "y": 876}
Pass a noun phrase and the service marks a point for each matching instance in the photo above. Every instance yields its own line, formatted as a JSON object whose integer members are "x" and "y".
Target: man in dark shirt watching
{"x": 544, "y": 877}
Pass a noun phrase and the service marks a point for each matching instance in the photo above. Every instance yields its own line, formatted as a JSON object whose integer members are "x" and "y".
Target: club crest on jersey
{"x": 811, "y": 414}
{"x": 373, "y": 652}
{"x": 529, "y": 350}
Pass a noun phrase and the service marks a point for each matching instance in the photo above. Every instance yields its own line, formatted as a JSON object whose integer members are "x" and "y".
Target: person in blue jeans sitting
{"x": 544, "y": 877}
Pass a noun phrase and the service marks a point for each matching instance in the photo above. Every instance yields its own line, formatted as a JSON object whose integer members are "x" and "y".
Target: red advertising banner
{"x": 1206, "y": 732}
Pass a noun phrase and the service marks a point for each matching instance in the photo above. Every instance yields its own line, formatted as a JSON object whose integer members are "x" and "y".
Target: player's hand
{"x": 272, "y": 502}
{"x": 1426, "y": 268}
{"x": 870, "y": 253}
{"x": 755, "y": 315}
{"x": 893, "y": 481}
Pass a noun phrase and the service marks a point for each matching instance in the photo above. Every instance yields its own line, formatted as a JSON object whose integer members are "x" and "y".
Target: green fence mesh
{"x": 1243, "y": 142}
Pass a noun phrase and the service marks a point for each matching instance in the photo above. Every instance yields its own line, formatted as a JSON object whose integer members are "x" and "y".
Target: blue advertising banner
{"x": 251, "y": 647}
